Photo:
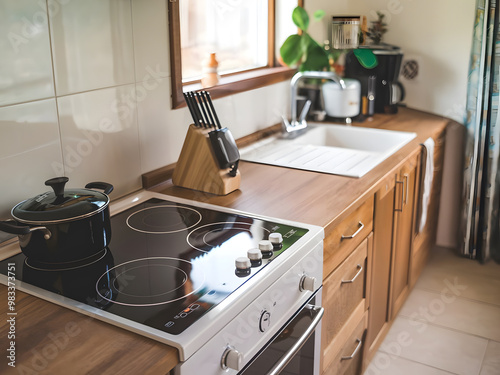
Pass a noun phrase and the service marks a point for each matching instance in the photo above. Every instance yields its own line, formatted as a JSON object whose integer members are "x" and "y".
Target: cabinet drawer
{"x": 346, "y": 236}
{"x": 349, "y": 359}
{"x": 343, "y": 298}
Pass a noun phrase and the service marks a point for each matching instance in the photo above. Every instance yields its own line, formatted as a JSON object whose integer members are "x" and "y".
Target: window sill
{"x": 235, "y": 83}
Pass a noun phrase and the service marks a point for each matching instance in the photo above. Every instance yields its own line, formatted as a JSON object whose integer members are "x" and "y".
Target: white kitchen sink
{"x": 334, "y": 149}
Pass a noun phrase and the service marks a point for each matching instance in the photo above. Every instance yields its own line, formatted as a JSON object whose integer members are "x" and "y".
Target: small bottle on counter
{"x": 210, "y": 76}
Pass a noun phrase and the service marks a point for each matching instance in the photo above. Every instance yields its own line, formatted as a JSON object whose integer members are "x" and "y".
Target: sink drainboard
{"x": 333, "y": 160}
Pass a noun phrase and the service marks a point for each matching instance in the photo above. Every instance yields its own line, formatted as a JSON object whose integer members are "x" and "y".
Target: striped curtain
{"x": 481, "y": 190}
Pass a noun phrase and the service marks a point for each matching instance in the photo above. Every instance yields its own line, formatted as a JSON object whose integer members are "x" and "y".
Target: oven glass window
{"x": 301, "y": 364}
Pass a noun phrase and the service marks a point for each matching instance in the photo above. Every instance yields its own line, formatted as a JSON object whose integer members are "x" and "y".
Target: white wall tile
{"x": 162, "y": 130}
{"x": 29, "y": 147}
{"x": 25, "y": 62}
{"x": 249, "y": 111}
{"x": 151, "y": 40}
{"x": 100, "y": 138}
{"x": 92, "y": 45}
{"x": 491, "y": 362}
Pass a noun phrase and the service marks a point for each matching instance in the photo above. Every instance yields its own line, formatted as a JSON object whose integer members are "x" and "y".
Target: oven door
{"x": 295, "y": 349}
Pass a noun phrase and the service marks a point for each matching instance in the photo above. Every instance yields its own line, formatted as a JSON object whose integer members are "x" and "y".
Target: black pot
{"x": 62, "y": 225}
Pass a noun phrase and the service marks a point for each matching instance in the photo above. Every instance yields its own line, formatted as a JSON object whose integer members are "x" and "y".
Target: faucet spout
{"x": 298, "y": 124}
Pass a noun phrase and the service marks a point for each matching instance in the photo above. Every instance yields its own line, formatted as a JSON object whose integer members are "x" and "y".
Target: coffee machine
{"x": 380, "y": 88}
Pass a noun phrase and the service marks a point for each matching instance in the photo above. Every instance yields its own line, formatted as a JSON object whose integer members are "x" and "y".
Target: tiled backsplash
{"x": 85, "y": 92}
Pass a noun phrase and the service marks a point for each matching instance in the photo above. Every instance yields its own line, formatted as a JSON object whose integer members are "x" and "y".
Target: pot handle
{"x": 21, "y": 230}
{"x": 7, "y": 227}
{"x": 108, "y": 188}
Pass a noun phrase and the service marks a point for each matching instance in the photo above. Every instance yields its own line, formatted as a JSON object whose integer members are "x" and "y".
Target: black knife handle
{"x": 192, "y": 97}
{"x": 189, "y": 105}
{"x": 209, "y": 99}
{"x": 200, "y": 105}
{"x": 205, "y": 104}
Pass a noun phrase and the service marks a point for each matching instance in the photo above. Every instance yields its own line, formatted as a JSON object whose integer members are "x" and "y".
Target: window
{"x": 245, "y": 35}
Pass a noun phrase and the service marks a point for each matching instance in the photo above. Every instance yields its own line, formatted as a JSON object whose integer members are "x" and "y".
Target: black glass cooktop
{"x": 167, "y": 264}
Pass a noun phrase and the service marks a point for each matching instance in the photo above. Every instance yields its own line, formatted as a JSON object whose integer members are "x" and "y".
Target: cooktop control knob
{"x": 231, "y": 358}
{"x": 277, "y": 240}
{"x": 255, "y": 257}
{"x": 264, "y": 321}
{"x": 266, "y": 247}
{"x": 307, "y": 283}
{"x": 243, "y": 265}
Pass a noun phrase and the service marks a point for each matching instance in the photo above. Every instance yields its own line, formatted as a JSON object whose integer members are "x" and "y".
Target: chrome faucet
{"x": 300, "y": 123}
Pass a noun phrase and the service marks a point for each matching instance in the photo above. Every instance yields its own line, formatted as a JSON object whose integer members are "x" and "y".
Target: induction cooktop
{"x": 167, "y": 265}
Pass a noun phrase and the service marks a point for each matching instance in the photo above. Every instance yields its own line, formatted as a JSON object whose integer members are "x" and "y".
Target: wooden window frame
{"x": 229, "y": 84}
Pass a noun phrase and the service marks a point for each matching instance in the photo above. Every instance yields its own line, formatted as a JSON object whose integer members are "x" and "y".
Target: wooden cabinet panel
{"x": 379, "y": 265}
{"x": 425, "y": 239}
{"x": 403, "y": 238}
{"x": 348, "y": 360}
{"x": 343, "y": 292}
{"x": 346, "y": 236}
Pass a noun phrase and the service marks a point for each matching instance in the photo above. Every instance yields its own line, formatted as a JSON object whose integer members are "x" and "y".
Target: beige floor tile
{"x": 435, "y": 346}
{"x": 460, "y": 282}
{"x": 384, "y": 364}
{"x": 491, "y": 363}
{"x": 446, "y": 259}
{"x": 447, "y": 310}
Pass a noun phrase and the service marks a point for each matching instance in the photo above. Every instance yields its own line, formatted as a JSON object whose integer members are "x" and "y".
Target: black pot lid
{"x": 62, "y": 205}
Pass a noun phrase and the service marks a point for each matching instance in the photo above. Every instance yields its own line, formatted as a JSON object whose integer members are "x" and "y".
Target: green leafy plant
{"x": 378, "y": 29}
{"x": 301, "y": 49}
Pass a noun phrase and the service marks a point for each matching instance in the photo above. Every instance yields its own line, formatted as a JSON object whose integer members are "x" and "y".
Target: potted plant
{"x": 301, "y": 49}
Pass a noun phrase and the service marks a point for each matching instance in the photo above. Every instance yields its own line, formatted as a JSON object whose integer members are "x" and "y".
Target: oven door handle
{"x": 278, "y": 367}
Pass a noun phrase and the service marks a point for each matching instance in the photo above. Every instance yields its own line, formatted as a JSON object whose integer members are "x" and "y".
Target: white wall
{"x": 438, "y": 33}
{"x": 85, "y": 92}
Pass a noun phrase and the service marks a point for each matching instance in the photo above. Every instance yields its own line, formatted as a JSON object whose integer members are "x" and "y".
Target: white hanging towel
{"x": 429, "y": 173}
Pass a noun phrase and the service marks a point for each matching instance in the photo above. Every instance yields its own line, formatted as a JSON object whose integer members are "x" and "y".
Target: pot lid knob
{"x": 57, "y": 184}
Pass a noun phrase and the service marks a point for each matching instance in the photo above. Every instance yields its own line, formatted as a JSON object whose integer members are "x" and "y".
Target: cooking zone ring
{"x": 66, "y": 266}
{"x": 108, "y": 279}
{"x": 142, "y": 215}
{"x": 195, "y": 237}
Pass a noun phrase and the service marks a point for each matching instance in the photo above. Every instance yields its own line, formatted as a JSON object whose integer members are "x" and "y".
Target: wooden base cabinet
{"x": 345, "y": 319}
{"x": 403, "y": 231}
{"x": 400, "y": 250}
{"x": 380, "y": 267}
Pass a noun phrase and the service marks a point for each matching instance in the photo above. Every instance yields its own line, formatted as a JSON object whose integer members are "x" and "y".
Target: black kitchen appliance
{"x": 389, "y": 92}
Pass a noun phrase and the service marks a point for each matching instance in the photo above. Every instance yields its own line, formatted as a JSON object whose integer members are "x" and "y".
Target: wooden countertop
{"x": 89, "y": 346}
{"x": 311, "y": 197}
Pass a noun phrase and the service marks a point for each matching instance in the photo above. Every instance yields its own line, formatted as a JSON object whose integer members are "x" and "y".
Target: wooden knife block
{"x": 198, "y": 169}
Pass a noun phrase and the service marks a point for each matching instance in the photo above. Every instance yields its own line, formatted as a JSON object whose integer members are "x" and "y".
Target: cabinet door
{"x": 380, "y": 264}
{"x": 403, "y": 236}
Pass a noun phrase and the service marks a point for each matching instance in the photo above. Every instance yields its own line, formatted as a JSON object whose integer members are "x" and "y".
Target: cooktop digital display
{"x": 167, "y": 264}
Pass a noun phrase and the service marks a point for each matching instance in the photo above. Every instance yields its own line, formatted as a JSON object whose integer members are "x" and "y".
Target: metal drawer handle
{"x": 361, "y": 226}
{"x": 355, "y": 350}
{"x": 360, "y": 269}
{"x": 406, "y": 177}
{"x": 402, "y": 197}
